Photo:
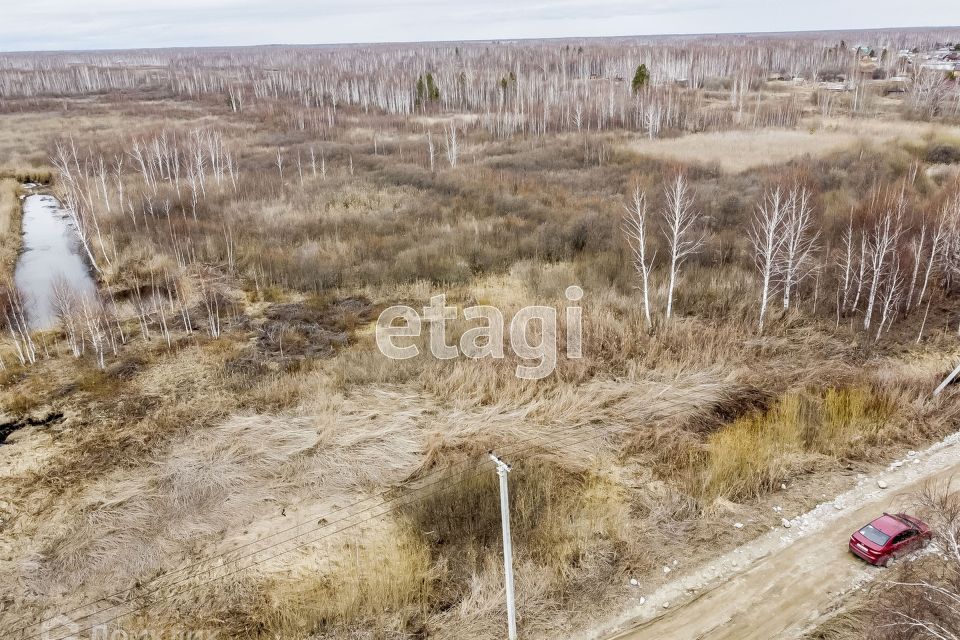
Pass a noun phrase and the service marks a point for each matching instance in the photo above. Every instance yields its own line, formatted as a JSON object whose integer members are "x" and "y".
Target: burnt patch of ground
{"x": 8, "y": 428}
{"x": 311, "y": 329}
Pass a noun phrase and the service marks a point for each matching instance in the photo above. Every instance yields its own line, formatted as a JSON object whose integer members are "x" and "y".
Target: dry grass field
{"x": 740, "y": 150}
{"x": 220, "y": 445}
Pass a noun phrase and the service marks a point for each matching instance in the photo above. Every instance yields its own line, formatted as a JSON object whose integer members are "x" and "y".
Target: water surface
{"x": 51, "y": 254}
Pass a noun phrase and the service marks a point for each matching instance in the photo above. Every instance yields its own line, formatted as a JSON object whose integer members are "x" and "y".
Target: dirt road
{"x": 784, "y": 582}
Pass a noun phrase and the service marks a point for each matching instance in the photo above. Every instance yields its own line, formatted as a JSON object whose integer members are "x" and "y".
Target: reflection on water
{"x": 51, "y": 257}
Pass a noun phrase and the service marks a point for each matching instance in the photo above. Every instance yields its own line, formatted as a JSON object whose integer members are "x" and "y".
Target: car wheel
{"x": 886, "y": 562}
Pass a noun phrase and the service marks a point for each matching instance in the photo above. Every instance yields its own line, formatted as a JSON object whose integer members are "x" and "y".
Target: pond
{"x": 51, "y": 257}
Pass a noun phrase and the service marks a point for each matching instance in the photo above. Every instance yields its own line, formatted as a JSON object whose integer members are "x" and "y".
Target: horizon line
{"x": 483, "y": 40}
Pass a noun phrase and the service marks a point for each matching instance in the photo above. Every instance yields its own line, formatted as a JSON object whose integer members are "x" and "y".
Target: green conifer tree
{"x": 433, "y": 91}
{"x": 640, "y": 78}
{"x": 420, "y": 91}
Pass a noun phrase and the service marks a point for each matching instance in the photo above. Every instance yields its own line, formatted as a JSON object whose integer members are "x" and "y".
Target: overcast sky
{"x": 99, "y": 24}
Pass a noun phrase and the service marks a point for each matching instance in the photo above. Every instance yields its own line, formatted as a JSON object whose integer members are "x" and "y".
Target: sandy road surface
{"x": 782, "y": 583}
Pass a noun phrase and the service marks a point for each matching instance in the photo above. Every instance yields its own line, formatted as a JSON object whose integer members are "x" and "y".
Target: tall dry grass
{"x": 758, "y": 452}
{"x": 384, "y": 580}
{"x": 10, "y": 234}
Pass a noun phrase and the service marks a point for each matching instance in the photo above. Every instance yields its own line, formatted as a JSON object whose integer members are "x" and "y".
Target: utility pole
{"x": 946, "y": 381}
{"x": 502, "y": 470}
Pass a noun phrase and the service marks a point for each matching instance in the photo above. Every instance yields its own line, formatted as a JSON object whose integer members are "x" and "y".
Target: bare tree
{"x": 799, "y": 242}
{"x": 679, "y": 218}
{"x": 916, "y": 247}
{"x": 890, "y": 298}
{"x": 431, "y": 151}
{"x": 881, "y": 246}
{"x": 940, "y": 241}
{"x": 66, "y": 307}
{"x": 846, "y": 267}
{"x": 77, "y": 202}
{"x": 928, "y": 91}
{"x": 97, "y": 328}
{"x": 14, "y": 307}
{"x": 452, "y": 145}
{"x": 635, "y": 229}
{"x": 861, "y": 271}
{"x": 212, "y": 306}
{"x": 767, "y": 239}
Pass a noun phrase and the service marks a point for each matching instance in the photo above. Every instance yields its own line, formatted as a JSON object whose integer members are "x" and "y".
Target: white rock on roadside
{"x": 738, "y": 525}
{"x": 786, "y": 523}
{"x": 882, "y": 484}
{"x": 642, "y": 599}
{"x": 634, "y": 582}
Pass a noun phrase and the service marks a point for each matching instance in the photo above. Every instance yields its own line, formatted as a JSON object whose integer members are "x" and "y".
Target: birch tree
{"x": 453, "y": 146}
{"x": 916, "y": 246}
{"x": 766, "y": 238}
{"x": 431, "y": 150}
{"x": 65, "y": 304}
{"x": 939, "y": 241}
{"x": 14, "y": 306}
{"x": 679, "y": 219}
{"x": 635, "y": 229}
{"x": 845, "y": 264}
{"x": 799, "y": 242}
{"x": 881, "y": 247}
{"x": 890, "y": 298}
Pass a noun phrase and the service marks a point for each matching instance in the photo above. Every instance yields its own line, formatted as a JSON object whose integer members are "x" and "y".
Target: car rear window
{"x": 874, "y": 535}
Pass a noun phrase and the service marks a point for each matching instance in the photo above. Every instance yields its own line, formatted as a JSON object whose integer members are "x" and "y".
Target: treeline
{"x": 646, "y": 85}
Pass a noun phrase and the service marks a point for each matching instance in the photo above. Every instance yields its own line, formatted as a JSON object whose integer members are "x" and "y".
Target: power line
{"x": 599, "y": 431}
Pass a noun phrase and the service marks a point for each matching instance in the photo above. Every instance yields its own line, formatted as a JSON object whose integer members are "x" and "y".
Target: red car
{"x": 888, "y": 537}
